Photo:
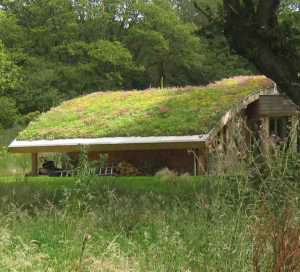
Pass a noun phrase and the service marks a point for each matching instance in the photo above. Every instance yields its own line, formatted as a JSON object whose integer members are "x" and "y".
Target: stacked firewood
{"x": 127, "y": 169}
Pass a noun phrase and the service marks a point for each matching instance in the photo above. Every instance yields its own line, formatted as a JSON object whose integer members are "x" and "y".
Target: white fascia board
{"x": 109, "y": 141}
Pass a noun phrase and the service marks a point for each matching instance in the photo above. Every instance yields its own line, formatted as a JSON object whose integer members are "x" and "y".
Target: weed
{"x": 167, "y": 175}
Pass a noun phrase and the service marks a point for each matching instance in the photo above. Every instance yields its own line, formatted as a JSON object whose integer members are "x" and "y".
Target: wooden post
{"x": 294, "y": 133}
{"x": 265, "y": 134}
{"x": 34, "y": 164}
{"x": 202, "y": 160}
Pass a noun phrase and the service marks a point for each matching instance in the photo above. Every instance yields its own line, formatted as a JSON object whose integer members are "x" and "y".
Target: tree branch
{"x": 231, "y": 7}
{"x": 255, "y": 35}
{"x": 203, "y": 12}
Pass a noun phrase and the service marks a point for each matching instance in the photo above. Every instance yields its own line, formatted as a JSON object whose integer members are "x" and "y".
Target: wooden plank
{"x": 276, "y": 105}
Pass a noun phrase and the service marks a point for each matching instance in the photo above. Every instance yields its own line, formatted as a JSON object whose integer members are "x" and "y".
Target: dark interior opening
{"x": 279, "y": 127}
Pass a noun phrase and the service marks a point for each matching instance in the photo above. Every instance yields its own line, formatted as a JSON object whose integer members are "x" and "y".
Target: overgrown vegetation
{"x": 231, "y": 223}
{"x": 177, "y": 227}
{"x": 144, "y": 224}
{"x": 13, "y": 165}
{"x": 146, "y": 113}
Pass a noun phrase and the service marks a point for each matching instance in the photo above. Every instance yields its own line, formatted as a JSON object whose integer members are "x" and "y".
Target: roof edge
{"x": 244, "y": 103}
{"x": 107, "y": 144}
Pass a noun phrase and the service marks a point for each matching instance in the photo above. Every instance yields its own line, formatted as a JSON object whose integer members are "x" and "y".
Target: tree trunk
{"x": 252, "y": 30}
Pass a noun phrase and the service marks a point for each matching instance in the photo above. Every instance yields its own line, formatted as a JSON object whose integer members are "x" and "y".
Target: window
{"x": 279, "y": 127}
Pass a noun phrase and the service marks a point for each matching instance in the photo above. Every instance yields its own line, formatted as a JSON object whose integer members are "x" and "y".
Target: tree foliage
{"x": 58, "y": 49}
{"x": 9, "y": 80}
{"x": 9, "y": 72}
{"x": 8, "y": 113}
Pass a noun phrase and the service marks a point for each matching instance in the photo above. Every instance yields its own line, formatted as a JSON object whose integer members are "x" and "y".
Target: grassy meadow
{"x": 126, "y": 224}
{"x": 136, "y": 224}
{"x": 166, "y": 223}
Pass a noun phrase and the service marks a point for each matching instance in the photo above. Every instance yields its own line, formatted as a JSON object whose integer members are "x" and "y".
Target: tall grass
{"x": 198, "y": 228}
{"x": 13, "y": 164}
{"x": 271, "y": 168}
{"x": 146, "y": 224}
{"x": 244, "y": 222}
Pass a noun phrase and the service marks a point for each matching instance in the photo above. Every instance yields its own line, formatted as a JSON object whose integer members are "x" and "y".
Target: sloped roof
{"x": 155, "y": 112}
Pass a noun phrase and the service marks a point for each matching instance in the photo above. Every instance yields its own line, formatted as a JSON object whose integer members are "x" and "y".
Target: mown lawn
{"x": 123, "y": 224}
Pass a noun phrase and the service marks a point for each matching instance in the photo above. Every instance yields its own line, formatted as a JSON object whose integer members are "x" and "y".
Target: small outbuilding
{"x": 177, "y": 128}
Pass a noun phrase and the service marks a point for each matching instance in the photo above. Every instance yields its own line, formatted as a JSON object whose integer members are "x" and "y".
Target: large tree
{"x": 66, "y": 48}
{"x": 266, "y": 33}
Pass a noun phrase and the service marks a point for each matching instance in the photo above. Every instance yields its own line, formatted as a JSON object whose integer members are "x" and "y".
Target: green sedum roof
{"x": 168, "y": 112}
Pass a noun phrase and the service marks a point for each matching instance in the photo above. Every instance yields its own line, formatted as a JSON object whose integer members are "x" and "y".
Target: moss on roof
{"x": 175, "y": 111}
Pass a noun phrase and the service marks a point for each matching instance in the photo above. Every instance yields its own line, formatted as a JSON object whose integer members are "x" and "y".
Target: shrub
{"x": 26, "y": 119}
{"x": 8, "y": 113}
{"x": 167, "y": 175}
{"x": 185, "y": 177}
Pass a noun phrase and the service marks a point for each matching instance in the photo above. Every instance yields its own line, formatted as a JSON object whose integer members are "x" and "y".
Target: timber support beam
{"x": 34, "y": 164}
{"x": 202, "y": 161}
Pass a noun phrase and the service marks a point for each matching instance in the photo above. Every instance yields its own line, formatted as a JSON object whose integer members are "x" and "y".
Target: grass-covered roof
{"x": 155, "y": 112}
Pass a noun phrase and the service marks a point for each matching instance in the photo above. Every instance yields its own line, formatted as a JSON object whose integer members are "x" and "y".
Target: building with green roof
{"x": 175, "y": 127}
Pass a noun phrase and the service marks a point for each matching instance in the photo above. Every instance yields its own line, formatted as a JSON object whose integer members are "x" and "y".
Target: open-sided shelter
{"x": 176, "y": 128}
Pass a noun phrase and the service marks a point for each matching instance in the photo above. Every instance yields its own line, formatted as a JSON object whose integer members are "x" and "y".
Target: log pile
{"x": 127, "y": 169}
